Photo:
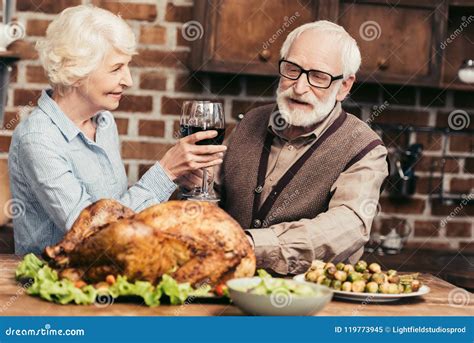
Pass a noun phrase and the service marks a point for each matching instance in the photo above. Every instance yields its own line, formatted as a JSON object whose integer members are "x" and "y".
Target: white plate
{"x": 371, "y": 297}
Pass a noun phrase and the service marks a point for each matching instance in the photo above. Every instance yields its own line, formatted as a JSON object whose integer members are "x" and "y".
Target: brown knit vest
{"x": 308, "y": 192}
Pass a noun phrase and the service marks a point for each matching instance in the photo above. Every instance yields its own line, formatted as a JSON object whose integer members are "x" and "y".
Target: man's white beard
{"x": 305, "y": 118}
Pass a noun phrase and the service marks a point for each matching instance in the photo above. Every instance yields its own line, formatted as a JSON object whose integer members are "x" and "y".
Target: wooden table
{"x": 15, "y": 302}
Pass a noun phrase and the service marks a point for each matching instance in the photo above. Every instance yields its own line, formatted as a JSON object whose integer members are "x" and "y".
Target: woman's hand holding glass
{"x": 185, "y": 158}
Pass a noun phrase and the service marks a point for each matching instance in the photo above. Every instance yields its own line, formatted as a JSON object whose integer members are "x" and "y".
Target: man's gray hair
{"x": 350, "y": 52}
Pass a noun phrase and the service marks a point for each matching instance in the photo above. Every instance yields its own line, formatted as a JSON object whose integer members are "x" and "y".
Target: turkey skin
{"x": 194, "y": 242}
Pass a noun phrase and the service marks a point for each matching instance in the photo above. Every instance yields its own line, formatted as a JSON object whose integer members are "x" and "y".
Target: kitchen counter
{"x": 15, "y": 302}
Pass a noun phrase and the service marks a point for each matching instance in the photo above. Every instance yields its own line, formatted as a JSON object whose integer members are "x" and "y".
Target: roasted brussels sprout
{"x": 372, "y": 287}
{"x": 415, "y": 285}
{"x": 379, "y": 278}
{"x": 375, "y": 268}
{"x": 336, "y": 284}
{"x": 361, "y": 278}
{"x": 327, "y": 282}
{"x": 329, "y": 265}
{"x": 391, "y": 272}
{"x": 319, "y": 272}
{"x": 394, "y": 279}
{"x": 330, "y": 271}
{"x": 349, "y": 268}
{"x": 317, "y": 264}
{"x": 321, "y": 279}
{"x": 358, "y": 286}
{"x": 360, "y": 266}
{"x": 347, "y": 286}
{"x": 366, "y": 276}
{"x": 393, "y": 288}
{"x": 340, "y": 275}
{"x": 354, "y": 276}
{"x": 384, "y": 288}
{"x": 312, "y": 275}
{"x": 408, "y": 278}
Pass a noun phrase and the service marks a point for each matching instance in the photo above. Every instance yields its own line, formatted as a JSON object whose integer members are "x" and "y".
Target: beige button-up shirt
{"x": 339, "y": 233}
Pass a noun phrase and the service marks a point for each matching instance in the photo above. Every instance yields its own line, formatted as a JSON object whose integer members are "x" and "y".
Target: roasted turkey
{"x": 194, "y": 242}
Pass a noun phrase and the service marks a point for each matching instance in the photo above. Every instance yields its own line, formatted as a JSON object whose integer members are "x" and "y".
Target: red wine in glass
{"x": 186, "y": 130}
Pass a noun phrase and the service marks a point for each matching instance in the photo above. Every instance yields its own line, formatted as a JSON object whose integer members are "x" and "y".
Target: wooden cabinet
{"x": 401, "y": 42}
{"x": 397, "y": 40}
{"x": 458, "y": 44}
{"x": 244, "y": 36}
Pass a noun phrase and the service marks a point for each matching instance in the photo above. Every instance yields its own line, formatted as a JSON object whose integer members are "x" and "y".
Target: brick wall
{"x": 435, "y": 225}
{"x": 148, "y": 115}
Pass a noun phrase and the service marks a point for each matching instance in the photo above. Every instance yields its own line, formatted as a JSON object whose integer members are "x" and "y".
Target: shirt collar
{"x": 312, "y": 135}
{"x": 59, "y": 118}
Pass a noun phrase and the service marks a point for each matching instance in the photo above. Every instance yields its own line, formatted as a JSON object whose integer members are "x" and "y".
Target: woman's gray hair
{"x": 350, "y": 53}
{"x": 77, "y": 41}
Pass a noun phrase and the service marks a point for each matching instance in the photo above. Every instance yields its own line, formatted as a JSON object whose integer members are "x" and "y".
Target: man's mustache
{"x": 290, "y": 94}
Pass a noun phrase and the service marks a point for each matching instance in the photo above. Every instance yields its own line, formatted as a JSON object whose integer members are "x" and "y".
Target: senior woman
{"x": 65, "y": 155}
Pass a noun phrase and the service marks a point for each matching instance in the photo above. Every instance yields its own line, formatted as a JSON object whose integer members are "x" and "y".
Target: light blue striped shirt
{"x": 56, "y": 171}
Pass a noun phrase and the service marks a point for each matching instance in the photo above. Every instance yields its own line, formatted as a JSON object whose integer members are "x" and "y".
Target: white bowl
{"x": 279, "y": 303}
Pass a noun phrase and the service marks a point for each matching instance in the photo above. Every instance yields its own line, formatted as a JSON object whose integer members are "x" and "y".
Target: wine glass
{"x": 207, "y": 116}
{"x": 186, "y": 109}
{"x": 183, "y": 120}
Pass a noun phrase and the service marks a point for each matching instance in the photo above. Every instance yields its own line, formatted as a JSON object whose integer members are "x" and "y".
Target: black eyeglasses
{"x": 316, "y": 78}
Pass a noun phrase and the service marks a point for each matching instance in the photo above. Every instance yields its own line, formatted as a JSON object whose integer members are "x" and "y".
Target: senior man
{"x": 302, "y": 176}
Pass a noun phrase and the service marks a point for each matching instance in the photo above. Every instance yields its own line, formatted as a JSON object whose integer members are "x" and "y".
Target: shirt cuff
{"x": 267, "y": 250}
{"x": 158, "y": 181}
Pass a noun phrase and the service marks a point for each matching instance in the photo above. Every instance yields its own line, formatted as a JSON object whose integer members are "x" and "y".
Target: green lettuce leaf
{"x": 29, "y": 266}
{"x": 46, "y": 284}
{"x": 200, "y": 291}
{"x": 263, "y": 273}
{"x": 150, "y": 294}
{"x": 177, "y": 292}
